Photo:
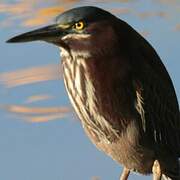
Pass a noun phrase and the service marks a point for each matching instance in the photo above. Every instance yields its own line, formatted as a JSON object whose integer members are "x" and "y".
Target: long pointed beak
{"x": 51, "y": 34}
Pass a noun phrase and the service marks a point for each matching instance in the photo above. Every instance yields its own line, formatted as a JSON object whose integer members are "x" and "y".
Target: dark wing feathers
{"x": 158, "y": 98}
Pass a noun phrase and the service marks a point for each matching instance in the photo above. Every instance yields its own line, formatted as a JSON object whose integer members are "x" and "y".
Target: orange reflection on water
{"x": 40, "y": 97}
{"x": 14, "y": 11}
{"x": 30, "y": 75}
{"x": 32, "y": 13}
{"x": 43, "y": 16}
{"x": 15, "y": 8}
{"x": 36, "y": 114}
{"x": 40, "y": 119}
{"x": 35, "y": 110}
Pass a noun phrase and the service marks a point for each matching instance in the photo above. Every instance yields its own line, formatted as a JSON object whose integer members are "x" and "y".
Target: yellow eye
{"x": 79, "y": 25}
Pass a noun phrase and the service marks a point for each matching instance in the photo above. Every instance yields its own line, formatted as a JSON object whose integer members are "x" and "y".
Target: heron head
{"x": 85, "y": 27}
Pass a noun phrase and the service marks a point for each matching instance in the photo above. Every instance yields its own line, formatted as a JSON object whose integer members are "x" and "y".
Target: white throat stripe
{"x": 76, "y": 36}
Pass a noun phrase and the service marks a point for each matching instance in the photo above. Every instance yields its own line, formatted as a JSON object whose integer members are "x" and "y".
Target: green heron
{"x": 119, "y": 88}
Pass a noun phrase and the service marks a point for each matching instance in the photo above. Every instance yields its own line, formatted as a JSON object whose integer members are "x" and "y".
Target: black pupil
{"x": 79, "y": 24}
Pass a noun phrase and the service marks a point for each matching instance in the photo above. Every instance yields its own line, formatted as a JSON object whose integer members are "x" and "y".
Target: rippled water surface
{"x": 40, "y": 136}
